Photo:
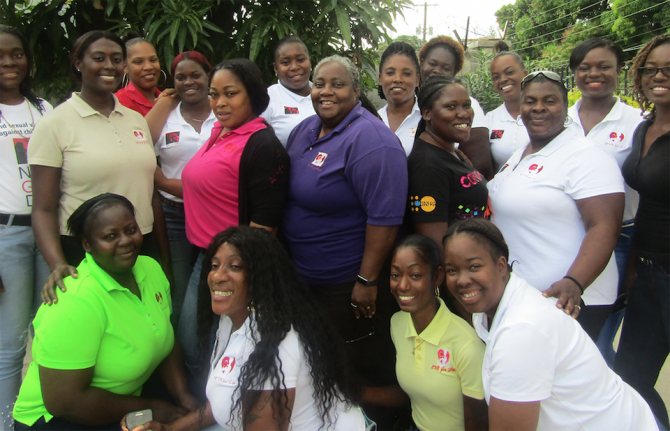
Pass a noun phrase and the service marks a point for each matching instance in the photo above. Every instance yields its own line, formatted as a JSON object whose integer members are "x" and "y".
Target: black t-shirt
{"x": 650, "y": 176}
{"x": 442, "y": 187}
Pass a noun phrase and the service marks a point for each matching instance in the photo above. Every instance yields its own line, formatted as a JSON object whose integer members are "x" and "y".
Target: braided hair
{"x": 398, "y": 48}
{"x": 26, "y": 86}
{"x": 483, "y": 232}
{"x": 431, "y": 90}
{"x": 639, "y": 61}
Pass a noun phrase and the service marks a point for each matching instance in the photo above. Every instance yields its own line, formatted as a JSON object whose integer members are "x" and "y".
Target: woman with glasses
{"x": 559, "y": 202}
{"x": 645, "y": 338}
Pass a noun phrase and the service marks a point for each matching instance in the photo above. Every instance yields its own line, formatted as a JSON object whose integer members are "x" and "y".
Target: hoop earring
{"x": 164, "y": 79}
{"x": 125, "y": 80}
{"x": 568, "y": 121}
{"x": 437, "y": 291}
{"x": 519, "y": 121}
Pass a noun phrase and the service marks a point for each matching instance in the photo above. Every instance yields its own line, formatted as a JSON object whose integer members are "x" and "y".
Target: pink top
{"x": 211, "y": 183}
{"x": 132, "y": 98}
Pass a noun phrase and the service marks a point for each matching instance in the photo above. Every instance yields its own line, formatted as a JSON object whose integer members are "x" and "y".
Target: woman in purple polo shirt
{"x": 347, "y": 191}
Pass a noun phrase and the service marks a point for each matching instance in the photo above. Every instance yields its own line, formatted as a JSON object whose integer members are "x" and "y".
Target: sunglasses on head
{"x": 552, "y": 76}
{"x": 650, "y": 71}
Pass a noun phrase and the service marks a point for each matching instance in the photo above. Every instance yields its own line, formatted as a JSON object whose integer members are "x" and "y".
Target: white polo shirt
{"x": 505, "y": 135}
{"x": 480, "y": 117}
{"x": 533, "y": 204}
{"x": 178, "y": 143}
{"x": 614, "y": 135}
{"x": 286, "y": 110}
{"x": 231, "y": 352}
{"x": 407, "y": 129}
{"x": 535, "y": 352}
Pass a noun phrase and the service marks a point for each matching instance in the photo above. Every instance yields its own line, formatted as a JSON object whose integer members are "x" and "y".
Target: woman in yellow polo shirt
{"x": 108, "y": 333}
{"x": 438, "y": 355}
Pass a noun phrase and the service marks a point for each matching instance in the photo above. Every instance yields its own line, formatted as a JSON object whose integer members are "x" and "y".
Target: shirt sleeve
{"x": 291, "y": 357}
{"x": 523, "y": 362}
{"x": 469, "y": 364}
{"x": 429, "y": 194}
{"x": 592, "y": 172}
{"x": 479, "y": 119}
{"x": 45, "y": 146}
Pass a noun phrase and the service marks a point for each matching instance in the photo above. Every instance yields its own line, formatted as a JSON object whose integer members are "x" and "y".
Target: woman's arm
{"x": 263, "y": 417}
{"x": 68, "y": 394}
{"x": 173, "y": 186}
{"x": 513, "y": 416}
{"x": 171, "y": 371}
{"x": 161, "y": 235}
{"x": 602, "y": 220}
{"x": 475, "y": 414}
{"x": 194, "y": 421}
{"x": 46, "y": 197}
{"x": 156, "y": 118}
{"x": 385, "y": 396}
{"x": 478, "y": 150}
{"x": 379, "y": 241}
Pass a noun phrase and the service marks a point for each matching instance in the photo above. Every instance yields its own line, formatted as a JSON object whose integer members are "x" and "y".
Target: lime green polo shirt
{"x": 437, "y": 367}
{"x": 97, "y": 323}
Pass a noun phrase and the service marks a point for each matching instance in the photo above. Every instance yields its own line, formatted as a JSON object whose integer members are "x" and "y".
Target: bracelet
{"x": 575, "y": 281}
{"x": 365, "y": 282}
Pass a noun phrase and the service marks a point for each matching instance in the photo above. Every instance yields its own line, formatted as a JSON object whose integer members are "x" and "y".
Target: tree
{"x": 218, "y": 28}
{"x": 415, "y": 41}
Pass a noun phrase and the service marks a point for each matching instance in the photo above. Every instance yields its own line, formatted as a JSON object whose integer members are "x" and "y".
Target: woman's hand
{"x": 56, "y": 279}
{"x": 189, "y": 402}
{"x": 166, "y": 412}
{"x": 364, "y": 298}
{"x": 568, "y": 294}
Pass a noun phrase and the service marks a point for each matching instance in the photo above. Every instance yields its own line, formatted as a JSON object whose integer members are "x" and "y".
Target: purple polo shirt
{"x": 353, "y": 176}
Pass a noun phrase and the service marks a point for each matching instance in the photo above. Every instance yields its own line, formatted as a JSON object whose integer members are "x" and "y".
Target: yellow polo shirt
{"x": 97, "y": 323}
{"x": 437, "y": 367}
{"x": 97, "y": 154}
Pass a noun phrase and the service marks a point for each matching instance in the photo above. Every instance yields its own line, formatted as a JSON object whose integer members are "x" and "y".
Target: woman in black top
{"x": 645, "y": 338}
{"x": 443, "y": 185}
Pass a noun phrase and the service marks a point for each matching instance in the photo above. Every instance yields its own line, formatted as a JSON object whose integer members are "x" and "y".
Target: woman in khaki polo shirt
{"x": 91, "y": 144}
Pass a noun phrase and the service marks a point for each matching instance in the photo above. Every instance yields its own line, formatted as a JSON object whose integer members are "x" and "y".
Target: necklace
{"x": 188, "y": 117}
{"x": 32, "y": 120}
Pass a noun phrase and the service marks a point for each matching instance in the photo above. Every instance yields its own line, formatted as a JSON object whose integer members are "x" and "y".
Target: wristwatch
{"x": 365, "y": 282}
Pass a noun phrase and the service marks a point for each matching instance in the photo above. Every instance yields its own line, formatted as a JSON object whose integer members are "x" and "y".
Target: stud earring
{"x": 568, "y": 121}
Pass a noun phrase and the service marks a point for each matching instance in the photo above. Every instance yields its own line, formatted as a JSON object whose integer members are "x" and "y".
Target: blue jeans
{"x": 188, "y": 324}
{"x": 23, "y": 272}
{"x": 182, "y": 253}
{"x": 645, "y": 337}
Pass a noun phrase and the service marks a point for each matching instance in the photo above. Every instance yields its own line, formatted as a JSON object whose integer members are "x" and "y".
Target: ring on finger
{"x": 367, "y": 308}
{"x": 578, "y": 307}
{"x": 354, "y": 305}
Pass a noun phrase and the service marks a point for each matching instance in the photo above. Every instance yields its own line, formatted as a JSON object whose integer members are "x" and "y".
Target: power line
{"x": 563, "y": 17}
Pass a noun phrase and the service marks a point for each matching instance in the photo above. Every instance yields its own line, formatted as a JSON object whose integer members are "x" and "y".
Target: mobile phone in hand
{"x": 136, "y": 419}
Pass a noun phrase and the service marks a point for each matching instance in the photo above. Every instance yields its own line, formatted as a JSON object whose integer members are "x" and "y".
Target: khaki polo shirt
{"x": 97, "y": 155}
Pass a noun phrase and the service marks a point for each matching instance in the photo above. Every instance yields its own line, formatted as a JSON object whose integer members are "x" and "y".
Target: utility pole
{"x": 425, "y": 14}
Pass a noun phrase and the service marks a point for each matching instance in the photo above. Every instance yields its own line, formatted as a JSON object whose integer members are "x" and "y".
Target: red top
{"x": 132, "y": 98}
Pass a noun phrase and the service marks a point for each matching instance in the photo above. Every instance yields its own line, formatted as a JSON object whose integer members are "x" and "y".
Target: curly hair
{"x": 447, "y": 43}
{"x": 281, "y": 301}
{"x": 398, "y": 48}
{"x": 26, "y": 86}
{"x": 482, "y": 231}
{"x": 251, "y": 77}
{"x": 431, "y": 90}
{"x": 639, "y": 61}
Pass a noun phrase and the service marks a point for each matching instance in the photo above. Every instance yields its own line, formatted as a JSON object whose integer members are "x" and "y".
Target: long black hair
{"x": 26, "y": 87}
{"x": 281, "y": 301}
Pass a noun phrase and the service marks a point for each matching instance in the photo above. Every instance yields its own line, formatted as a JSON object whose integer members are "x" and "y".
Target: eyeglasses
{"x": 650, "y": 71}
{"x": 552, "y": 76}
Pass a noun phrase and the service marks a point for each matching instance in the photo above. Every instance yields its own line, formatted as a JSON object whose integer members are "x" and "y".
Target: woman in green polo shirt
{"x": 107, "y": 334}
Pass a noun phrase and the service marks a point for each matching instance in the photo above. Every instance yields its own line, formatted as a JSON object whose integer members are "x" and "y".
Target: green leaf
{"x": 208, "y": 25}
{"x": 174, "y": 28}
{"x": 255, "y": 46}
{"x": 182, "y": 37}
{"x": 345, "y": 26}
{"x": 110, "y": 7}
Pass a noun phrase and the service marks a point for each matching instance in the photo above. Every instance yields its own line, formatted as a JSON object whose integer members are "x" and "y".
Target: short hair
{"x": 397, "y": 48}
{"x": 84, "y": 41}
{"x": 449, "y": 44}
{"x": 540, "y": 79}
{"x": 251, "y": 77}
{"x": 425, "y": 248}
{"x": 482, "y": 231}
{"x": 80, "y": 221}
{"x": 193, "y": 56}
{"x": 350, "y": 67}
{"x": 581, "y": 51}
{"x": 431, "y": 90}
{"x": 26, "y": 86}
{"x": 514, "y": 55}
{"x": 287, "y": 41}
{"x": 639, "y": 61}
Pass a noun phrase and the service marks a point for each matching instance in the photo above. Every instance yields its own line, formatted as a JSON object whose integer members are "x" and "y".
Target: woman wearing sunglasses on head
{"x": 646, "y": 331}
{"x": 559, "y": 202}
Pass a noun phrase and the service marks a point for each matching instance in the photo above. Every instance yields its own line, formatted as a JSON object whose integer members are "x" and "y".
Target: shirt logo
{"x": 535, "y": 169}
{"x": 616, "y": 138}
{"x": 443, "y": 362}
{"x": 426, "y": 203}
{"x": 21, "y": 150}
{"x": 289, "y": 110}
{"x": 227, "y": 365}
{"x": 471, "y": 179}
{"x": 497, "y": 134}
{"x": 171, "y": 138}
{"x": 320, "y": 158}
{"x": 412, "y": 131}
{"x": 159, "y": 298}
{"x": 138, "y": 134}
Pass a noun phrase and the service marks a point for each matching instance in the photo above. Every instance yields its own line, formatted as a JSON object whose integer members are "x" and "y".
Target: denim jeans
{"x": 182, "y": 254}
{"x": 188, "y": 325}
{"x": 645, "y": 337}
{"x": 23, "y": 272}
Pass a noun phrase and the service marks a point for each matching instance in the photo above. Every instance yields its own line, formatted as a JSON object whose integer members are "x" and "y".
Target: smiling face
{"x": 229, "y": 100}
{"x": 597, "y": 75}
{"x": 333, "y": 94}
{"x": 451, "y": 115}
{"x": 143, "y": 67}
{"x": 101, "y": 66}
{"x": 228, "y": 285}
{"x": 438, "y": 61}
{"x": 399, "y": 78}
{"x": 293, "y": 67}
{"x": 190, "y": 81}
{"x": 657, "y": 88}
{"x": 473, "y": 276}
{"x": 543, "y": 111}
{"x": 114, "y": 239}
{"x": 13, "y": 63}
{"x": 412, "y": 283}
{"x": 506, "y": 75}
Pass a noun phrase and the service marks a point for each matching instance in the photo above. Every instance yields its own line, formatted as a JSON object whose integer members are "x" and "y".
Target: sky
{"x": 445, "y": 16}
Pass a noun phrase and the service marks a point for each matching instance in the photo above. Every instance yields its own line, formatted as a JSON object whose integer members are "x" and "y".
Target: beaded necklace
{"x": 32, "y": 120}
